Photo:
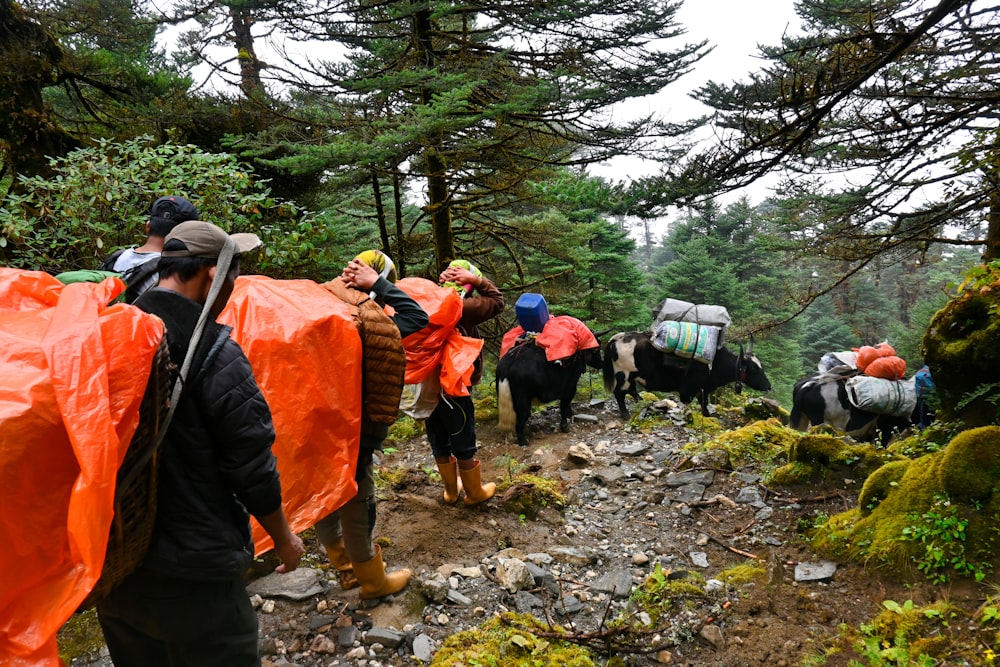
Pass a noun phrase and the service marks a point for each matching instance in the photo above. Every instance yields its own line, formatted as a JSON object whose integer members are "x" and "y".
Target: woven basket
{"x": 135, "y": 500}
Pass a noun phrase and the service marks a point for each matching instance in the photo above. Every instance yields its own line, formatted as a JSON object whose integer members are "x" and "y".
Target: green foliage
{"x": 100, "y": 197}
{"x": 942, "y": 532}
{"x": 877, "y": 651}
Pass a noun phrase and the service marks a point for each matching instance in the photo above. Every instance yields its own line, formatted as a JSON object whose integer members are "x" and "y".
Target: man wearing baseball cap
{"x": 187, "y": 603}
{"x": 138, "y": 266}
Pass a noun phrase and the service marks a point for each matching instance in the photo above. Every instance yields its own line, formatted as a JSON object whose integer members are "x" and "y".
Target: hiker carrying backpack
{"x": 139, "y": 267}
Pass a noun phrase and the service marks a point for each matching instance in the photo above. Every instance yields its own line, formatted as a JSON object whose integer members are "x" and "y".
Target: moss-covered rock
{"x": 970, "y": 466}
{"x": 525, "y": 494}
{"x": 915, "y": 517}
{"x": 760, "y": 441}
{"x": 510, "y": 640}
{"x": 815, "y": 456}
{"x": 879, "y": 484}
{"x": 962, "y": 348}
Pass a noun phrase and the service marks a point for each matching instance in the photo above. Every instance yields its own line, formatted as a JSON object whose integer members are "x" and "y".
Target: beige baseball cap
{"x": 203, "y": 239}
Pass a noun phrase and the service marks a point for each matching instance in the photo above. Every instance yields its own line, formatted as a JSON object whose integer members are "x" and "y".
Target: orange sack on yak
{"x": 73, "y": 372}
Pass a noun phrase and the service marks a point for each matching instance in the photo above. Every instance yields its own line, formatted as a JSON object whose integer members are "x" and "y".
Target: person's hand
{"x": 359, "y": 275}
{"x": 290, "y": 551}
{"x": 454, "y": 274}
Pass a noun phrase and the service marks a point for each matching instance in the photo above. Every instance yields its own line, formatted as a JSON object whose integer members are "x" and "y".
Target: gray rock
{"x": 524, "y": 602}
{"x": 713, "y": 635}
{"x": 633, "y": 449}
{"x": 386, "y": 636}
{"x": 514, "y": 575}
{"x": 703, "y": 477}
{"x": 461, "y": 600}
{"x": 593, "y": 419}
{"x": 423, "y": 648}
{"x": 617, "y": 582}
{"x": 569, "y": 605}
{"x": 699, "y": 558}
{"x": 609, "y": 475}
{"x": 300, "y": 584}
{"x": 689, "y": 493}
{"x": 750, "y": 495}
{"x": 821, "y": 571}
{"x": 347, "y": 636}
{"x": 573, "y": 555}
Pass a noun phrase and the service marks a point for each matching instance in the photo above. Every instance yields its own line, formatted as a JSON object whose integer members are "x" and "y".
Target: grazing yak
{"x": 630, "y": 360}
{"x": 822, "y": 398}
{"x": 526, "y": 377}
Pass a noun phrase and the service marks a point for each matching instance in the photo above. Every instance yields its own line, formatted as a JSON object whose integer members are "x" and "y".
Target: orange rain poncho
{"x": 439, "y": 345}
{"x": 73, "y": 372}
{"x": 305, "y": 352}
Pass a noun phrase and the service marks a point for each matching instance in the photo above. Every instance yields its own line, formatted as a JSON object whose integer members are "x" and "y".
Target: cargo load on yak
{"x": 839, "y": 363}
{"x": 675, "y": 310}
{"x": 687, "y": 340}
{"x": 883, "y": 397}
{"x": 688, "y": 330}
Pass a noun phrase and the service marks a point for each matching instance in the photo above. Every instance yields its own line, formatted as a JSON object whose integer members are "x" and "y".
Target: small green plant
{"x": 880, "y": 652}
{"x": 942, "y": 532}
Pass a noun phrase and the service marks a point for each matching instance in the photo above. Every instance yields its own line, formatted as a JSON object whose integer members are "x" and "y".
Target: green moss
{"x": 662, "y": 591}
{"x": 705, "y": 425}
{"x": 970, "y": 466}
{"x": 404, "y": 429}
{"x": 532, "y": 493}
{"x": 81, "y": 636}
{"x": 906, "y": 499}
{"x": 744, "y": 574}
{"x": 962, "y": 347}
{"x": 510, "y": 640}
{"x": 760, "y": 442}
{"x": 795, "y": 473}
{"x": 879, "y": 484}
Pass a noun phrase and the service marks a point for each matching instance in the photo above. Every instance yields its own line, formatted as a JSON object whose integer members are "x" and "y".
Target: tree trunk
{"x": 397, "y": 198}
{"x": 250, "y": 66}
{"x": 993, "y": 228}
{"x": 30, "y": 60}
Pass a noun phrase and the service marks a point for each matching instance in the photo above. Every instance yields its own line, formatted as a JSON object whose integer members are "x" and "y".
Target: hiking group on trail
{"x": 217, "y": 473}
{"x": 243, "y": 402}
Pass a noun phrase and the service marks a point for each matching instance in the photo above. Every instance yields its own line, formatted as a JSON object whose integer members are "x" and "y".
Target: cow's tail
{"x": 609, "y": 366}
{"x": 505, "y": 407}
{"x": 797, "y": 419}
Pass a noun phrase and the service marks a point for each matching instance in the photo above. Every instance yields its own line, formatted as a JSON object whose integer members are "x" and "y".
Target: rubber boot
{"x": 452, "y": 484}
{"x": 375, "y": 582}
{"x": 345, "y": 570}
{"x": 475, "y": 491}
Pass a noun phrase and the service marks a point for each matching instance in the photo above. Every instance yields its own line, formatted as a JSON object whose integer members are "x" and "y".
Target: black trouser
{"x": 151, "y": 620}
{"x": 451, "y": 428}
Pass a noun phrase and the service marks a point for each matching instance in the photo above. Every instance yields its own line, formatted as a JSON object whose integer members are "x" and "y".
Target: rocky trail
{"x": 739, "y": 584}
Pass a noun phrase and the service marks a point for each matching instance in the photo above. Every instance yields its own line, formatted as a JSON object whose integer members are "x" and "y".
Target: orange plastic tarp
{"x": 439, "y": 344}
{"x": 888, "y": 368}
{"x": 562, "y": 336}
{"x": 72, "y": 375}
{"x": 869, "y": 353}
{"x": 305, "y": 352}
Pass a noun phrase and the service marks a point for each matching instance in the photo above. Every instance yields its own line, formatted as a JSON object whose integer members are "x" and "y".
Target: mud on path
{"x": 621, "y": 515}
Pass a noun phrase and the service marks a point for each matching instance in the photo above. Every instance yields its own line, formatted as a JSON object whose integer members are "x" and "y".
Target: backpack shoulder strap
{"x": 109, "y": 262}
{"x": 137, "y": 276}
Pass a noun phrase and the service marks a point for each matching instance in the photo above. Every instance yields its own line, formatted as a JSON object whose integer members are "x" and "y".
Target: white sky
{"x": 735, "y": 28}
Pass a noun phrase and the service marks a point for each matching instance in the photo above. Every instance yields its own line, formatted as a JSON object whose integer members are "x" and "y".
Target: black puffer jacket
{"x": 215, "y": 461}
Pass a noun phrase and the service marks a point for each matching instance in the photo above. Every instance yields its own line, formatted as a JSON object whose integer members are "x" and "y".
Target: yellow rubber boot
{"x": 475, "y": 491}
{"x": 375, "y": 582}
{"x": 345, "y": 570}
{"x": 449, "y": 475}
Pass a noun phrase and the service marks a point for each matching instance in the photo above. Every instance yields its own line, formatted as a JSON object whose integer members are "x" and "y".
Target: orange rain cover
{"x": 561, "y": 337}
{"x": 439, "y": 344}
{"x": 869, "y": 353}
{"x": 305, "y": 352}
{"x": 73, "y": 372}
{"x": 887, "y": 368}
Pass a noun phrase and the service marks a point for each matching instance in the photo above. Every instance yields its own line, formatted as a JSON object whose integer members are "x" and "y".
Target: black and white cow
{"x": 525, "y": 377}
{"x": 631, "y": 361}
{"x": 822, "y": 399}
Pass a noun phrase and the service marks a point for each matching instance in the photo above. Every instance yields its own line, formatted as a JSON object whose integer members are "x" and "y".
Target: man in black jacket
{"x": 187, "y": 604}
